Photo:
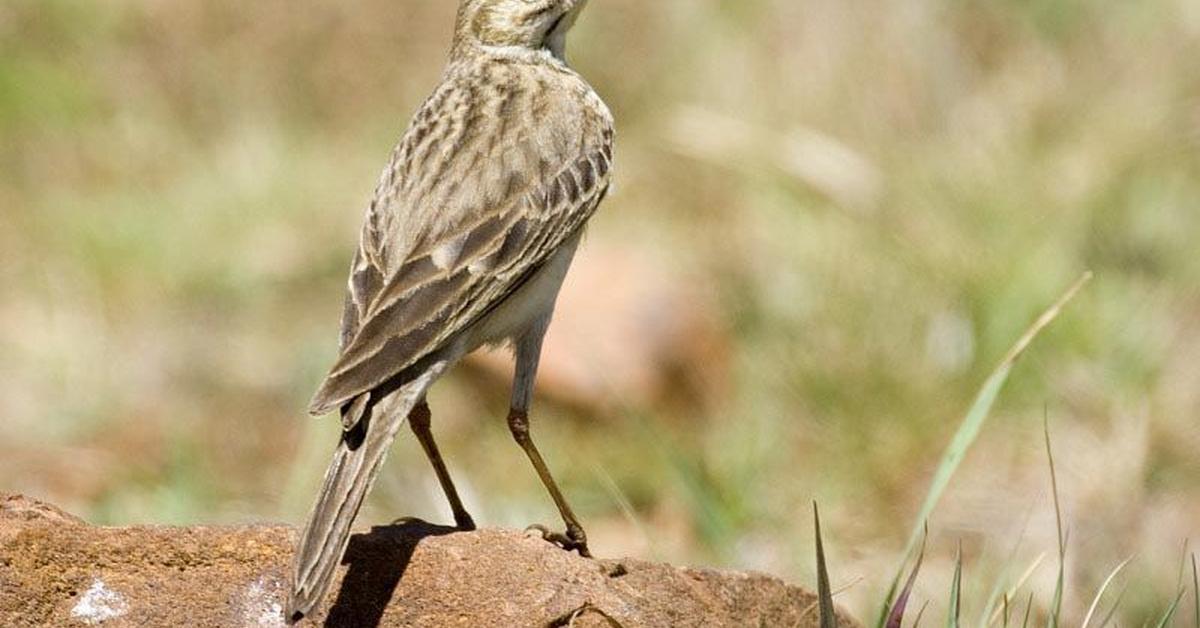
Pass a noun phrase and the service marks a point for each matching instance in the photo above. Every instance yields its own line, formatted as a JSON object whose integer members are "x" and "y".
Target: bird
{"x": 471, "y": 230}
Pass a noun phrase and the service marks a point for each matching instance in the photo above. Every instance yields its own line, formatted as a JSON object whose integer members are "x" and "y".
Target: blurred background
{"x": 830, "y": 220}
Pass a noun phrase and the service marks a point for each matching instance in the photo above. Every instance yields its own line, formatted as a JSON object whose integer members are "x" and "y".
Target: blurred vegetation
{"x": 875, "y": 197}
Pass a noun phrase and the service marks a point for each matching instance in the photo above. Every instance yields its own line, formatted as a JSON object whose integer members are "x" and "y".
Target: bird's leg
{"x": 574, "y": 538}
{"x": 528, "y": 353}
{"x": 419, "y": 421}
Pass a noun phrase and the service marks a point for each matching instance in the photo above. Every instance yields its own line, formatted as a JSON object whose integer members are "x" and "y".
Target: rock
{"x": 627, "y": 321}
{"x": 57, "y": 570}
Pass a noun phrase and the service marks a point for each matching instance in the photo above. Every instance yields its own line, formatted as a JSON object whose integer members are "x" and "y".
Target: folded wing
{"x": 468, "y": 208}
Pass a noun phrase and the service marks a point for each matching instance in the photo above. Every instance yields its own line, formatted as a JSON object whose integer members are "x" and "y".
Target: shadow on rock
{"x": 377, "y": 560}
{"x": 56, "y": 570}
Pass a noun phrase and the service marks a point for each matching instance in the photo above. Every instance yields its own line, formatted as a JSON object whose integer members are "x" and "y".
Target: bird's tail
{"x": 355, "y": 464}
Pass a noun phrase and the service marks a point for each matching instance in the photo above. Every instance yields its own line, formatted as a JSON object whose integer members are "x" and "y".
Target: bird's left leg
{"x": 528, "y": 352}
{"x": 419, "y": 421}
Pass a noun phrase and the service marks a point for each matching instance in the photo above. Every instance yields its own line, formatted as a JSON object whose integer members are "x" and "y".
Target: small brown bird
{"x": 472, "y": 228}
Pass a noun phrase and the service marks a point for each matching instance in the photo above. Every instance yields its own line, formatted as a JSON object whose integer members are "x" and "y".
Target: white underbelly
{"x": 528, "y": 305}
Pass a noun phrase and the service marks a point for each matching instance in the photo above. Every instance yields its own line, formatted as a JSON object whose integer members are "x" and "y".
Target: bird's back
{"x": 491, "y": 127}
{"x": 507, "y": 157}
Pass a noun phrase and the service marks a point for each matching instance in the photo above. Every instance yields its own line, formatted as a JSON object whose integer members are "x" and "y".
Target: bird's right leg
{"x": 574, "y": 538}
{"x": 528, "y": 353}
{"x": 419, "y": 420}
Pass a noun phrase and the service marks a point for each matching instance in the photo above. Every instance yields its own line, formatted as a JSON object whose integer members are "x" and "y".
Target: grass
{"x": 1056, "y": 603}
{"x": 892, "y": 614}
{"x": 973, "y": 422}
{"x": 831, "y": 219}
{"x": 895, "y": 615}
{"x": 1092, "y": 608}
{"x": 828, "y": 617}
{"x": 968, "y": 431}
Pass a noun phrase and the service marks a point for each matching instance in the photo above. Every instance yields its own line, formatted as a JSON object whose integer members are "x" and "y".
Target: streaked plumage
{"x": 471, "y": 230}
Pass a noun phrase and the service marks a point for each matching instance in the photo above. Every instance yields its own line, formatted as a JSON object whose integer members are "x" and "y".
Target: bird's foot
{"x": 574, "y": 539}
{"x": 464, "y": 522}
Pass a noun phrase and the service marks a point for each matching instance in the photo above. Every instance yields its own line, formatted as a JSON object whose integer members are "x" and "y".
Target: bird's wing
{"x": 467, "y": 210}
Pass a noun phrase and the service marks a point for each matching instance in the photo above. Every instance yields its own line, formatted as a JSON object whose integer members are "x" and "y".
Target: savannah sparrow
{"x": 472, "y": 228}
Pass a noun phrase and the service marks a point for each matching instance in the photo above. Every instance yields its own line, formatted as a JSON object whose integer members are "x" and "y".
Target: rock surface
{"x": 56, "y": 570}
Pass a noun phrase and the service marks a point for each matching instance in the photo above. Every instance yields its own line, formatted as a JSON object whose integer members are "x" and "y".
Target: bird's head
{"x": 532, "y": 24}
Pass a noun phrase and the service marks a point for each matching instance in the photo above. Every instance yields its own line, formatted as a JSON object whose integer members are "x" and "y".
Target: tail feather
{"x": 356, "y": 462}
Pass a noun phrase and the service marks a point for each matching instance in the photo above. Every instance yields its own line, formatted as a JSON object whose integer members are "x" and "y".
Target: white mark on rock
{"x": 99, "y": 604}
{"x": 260, "y": 605}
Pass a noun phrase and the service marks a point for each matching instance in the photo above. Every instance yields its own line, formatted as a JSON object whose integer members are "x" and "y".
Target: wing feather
{"x": 467, "y": 235}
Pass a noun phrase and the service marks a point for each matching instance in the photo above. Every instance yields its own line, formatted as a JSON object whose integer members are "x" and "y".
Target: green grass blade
{"x": 989, "y": 607}
{"x": 1116, "y": 604}
{"x": 1099, "y": 594}
{"x": 969, "y": 430}
{"x": 955, "y": 611}
{"x": 896, "y": 616}
{"x": 1012, "y": 593}
{"x": 1028, "y": 607}
{"x": 920, "y": 614}
{"x": 1195, "y": 591}
{"x": 626, "y": 507}
{"x": 1056, "y": 606}
{"x": 824, "y": 591}
{"x": 1166, "y": 618}
{"x": 1183, "y": 559}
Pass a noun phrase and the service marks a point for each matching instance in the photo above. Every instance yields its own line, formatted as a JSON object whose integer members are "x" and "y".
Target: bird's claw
{"x": 573, "y": 539}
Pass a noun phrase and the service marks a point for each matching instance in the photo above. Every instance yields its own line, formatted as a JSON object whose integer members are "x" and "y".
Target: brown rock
{"x": 627, "y": 322}
{"x": 56, "y": 570}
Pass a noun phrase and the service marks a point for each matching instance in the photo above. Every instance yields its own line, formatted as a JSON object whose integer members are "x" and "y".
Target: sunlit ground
{"x": 830, "y": 221}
